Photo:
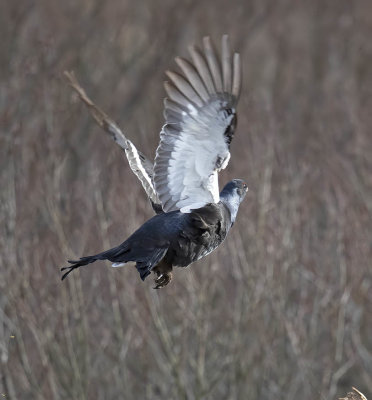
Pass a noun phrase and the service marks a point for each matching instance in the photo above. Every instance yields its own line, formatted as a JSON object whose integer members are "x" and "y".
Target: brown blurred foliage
{"x": 282, "y": 310}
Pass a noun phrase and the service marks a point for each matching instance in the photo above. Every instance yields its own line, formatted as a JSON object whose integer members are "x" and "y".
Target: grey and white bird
{"x": 193, "y": 217}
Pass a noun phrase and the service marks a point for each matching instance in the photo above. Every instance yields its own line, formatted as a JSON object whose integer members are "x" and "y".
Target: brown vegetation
{"x": 282, "y": 310}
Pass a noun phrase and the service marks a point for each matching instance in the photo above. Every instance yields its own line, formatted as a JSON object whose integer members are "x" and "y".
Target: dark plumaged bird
{"x": 193, "y": 218}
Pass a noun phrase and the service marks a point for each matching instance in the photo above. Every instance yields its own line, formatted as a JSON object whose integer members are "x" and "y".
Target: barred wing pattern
{"x": 200, "y": 122}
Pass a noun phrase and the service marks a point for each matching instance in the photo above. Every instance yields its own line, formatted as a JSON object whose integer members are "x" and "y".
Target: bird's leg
{"x": 164, "y": 275}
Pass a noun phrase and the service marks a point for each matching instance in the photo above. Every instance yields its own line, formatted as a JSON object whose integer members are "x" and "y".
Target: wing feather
{"x": 185, "y": 88}
{"x": 200, "y": 121}
{"x": 193, "y": 77}
{"x": 237, "y": 76}
{"x": 226, "y": 64}
{"x": 213, "y": 64}
{"x": 202, "y": 68}
{"x": 176, "y": 95}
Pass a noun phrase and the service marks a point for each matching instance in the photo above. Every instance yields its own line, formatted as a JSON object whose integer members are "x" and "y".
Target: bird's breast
{"x": 203, "y": 231}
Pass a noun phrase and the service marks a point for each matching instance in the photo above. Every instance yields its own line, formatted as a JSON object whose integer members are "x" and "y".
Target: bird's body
{"x": 174, "y": 239}
{"x": 193, "y": 218}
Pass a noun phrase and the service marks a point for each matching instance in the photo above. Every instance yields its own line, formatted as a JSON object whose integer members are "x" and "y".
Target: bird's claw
{"x": 162, "y": 280}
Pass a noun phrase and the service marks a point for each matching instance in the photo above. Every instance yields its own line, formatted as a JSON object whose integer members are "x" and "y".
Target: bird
{"x": 192, "y": 218}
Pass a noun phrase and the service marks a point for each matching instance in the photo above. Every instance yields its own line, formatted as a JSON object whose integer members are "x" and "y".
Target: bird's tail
{"x": 106, "y": 255}
{"x": 145, "y": 258}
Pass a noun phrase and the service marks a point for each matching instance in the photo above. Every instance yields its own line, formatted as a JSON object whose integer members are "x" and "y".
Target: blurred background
{"x": 283, "y": 309}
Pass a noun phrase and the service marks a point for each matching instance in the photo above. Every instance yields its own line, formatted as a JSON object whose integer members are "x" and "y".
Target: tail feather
{"x": 112, "y": 255}
{"x": 145, "y": 259}
{"x": 77, "y": 264}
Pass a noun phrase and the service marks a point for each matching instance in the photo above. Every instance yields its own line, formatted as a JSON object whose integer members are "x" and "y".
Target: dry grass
{"x": 283, "y": 309}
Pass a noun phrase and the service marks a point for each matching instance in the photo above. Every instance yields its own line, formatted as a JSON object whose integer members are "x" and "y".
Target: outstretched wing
{"x": 139, "y": 164}
{"x": 200, "y": 122}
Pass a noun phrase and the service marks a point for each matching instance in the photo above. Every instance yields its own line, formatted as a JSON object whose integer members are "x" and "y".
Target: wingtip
{"x": 207, "y": 43}
{"x": 226, "y": 63}
{"x": 169, "y": 73}
{"x": 213, "y": 63}
{"x": 225, "y": 39}
{"x": 191, "y": 48}
{"x": 237, "y": 76}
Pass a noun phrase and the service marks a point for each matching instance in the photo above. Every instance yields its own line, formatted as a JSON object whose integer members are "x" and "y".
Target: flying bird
{"x": 192, "y": 216}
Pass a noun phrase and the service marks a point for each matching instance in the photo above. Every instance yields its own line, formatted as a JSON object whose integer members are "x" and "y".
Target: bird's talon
{"x": 162, "y": 280}
{"x": 159, "y": 278}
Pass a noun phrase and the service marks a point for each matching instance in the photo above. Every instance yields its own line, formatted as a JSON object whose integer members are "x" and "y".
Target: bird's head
{"x": 236, "y": 188}
{"x": 232, "y": 195}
